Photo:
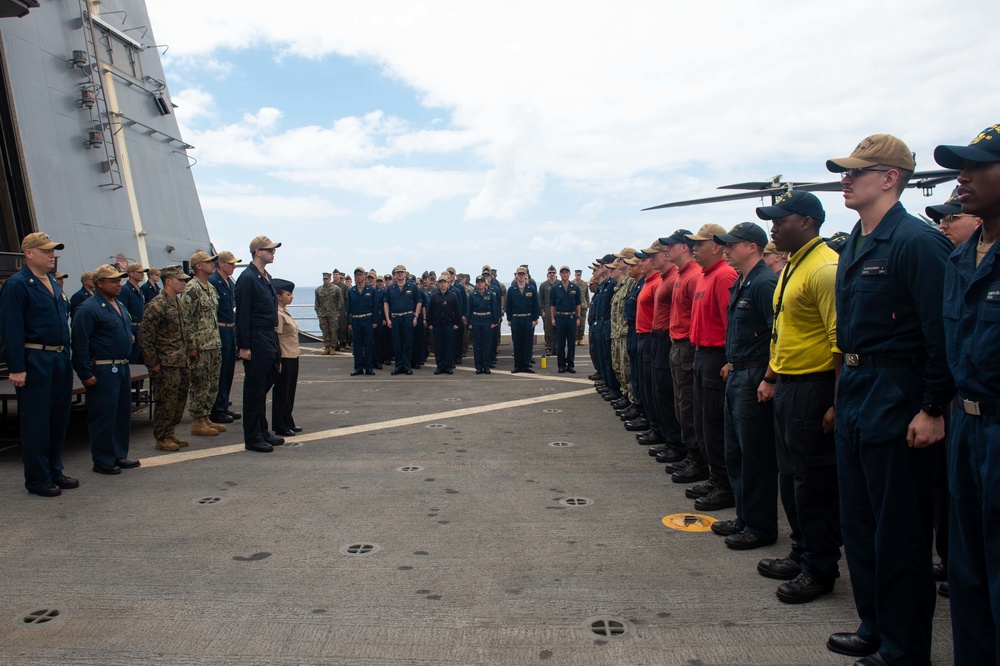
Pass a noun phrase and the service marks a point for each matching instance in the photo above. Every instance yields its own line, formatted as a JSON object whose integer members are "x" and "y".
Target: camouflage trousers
{"x": 581, "y": 324}
{"x": 329, "y": 326}
{"x": 170, "y": 390}
{"x": 205, "y": 371}
{"x": 550, "y": 332}
{"x": 622, "y": 368}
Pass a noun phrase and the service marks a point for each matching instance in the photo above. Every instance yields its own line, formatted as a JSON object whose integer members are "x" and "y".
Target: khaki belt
{"x": 223, "y": 324}
{"x": 362, "y": 316}
{"x": 400, "y": 314}
{"x": 521, "y": 315}
{"x": 35, "y": 345}
{"x": 111, "y": 361}
{"x": 979, "y": 407}
{"x": 482, "y": 314}
{"x": 565, "y": 313}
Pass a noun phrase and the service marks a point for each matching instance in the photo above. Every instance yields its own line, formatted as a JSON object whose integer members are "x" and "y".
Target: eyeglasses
{"x": 268, "y": 249}
{"x": 854, "y": 173}
{"x": 948, "y": 219}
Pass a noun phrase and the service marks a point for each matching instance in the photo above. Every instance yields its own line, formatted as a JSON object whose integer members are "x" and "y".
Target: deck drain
{"x": 552, "y": 411}
{"x": 689, "y": 522}
{"x": 607, "y": 627}
{"x": 205, "y": 501}
{"x": 409, "y": 468}
{"x": 452, "y": 400}
{"x": 576, "y": 501}
{"x": 561, "y": 445}
{"x": 370, "y": 390}
{"x": 360, "y": 549}
{"x": 341, "y": 411}
{"x": 546, "y": 389}
{"x": 40, "y": 617}
{"x": 435, "y": 426}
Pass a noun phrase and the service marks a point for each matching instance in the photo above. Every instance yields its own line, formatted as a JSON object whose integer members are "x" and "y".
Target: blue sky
{"x": 455, "y": 133}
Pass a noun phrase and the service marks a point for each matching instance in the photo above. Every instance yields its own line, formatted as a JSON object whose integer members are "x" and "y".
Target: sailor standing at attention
{"x": 225, "y": 287}
{"x": 102, "y": 344}
{"x": 151, "y": 287}
{"x": 402, "y": 305}
{"x": 257, "y": 343}
{"x": 483, "y": 317}
{"x": 443, "y": 319}
{"x": 523, "y": 311}
{"x": 564, "y": 309}
{"x": 361, "y": 311}
{"x": 972, "y": 338}
{"x": 134, "y": 302}
{"x": 200, "y": 305}
{"x": 33, "y": 312}
{"x": 329, "y": 303}
{"x": 890, "y": 404}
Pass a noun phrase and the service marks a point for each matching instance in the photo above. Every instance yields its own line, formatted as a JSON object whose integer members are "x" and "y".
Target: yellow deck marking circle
{"x": 689, "y": 522}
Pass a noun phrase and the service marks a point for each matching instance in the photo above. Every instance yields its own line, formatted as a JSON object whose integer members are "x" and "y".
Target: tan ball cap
{"x": 40, "y": 241}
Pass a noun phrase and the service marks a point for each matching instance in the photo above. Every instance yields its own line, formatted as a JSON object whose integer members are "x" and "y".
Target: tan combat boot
{"x": 178, "y": 441}
{"x": 326, "y": 351}
{"x": 166, "y": 445}
{"x": 202, "y": 429}
{"x": 213, "y": 425}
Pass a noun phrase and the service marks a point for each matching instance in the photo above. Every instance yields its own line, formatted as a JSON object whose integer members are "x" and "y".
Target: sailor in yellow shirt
{"x": 801, "y": 379}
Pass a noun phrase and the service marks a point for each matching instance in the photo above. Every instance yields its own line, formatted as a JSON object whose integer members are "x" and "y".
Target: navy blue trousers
{"x": 632, "y": 348}
{"x": 259, "y": 375}
{"x": 228, "y": 369}
{"x": 363, "y": 343}
{"x": 521, "y": 339}
{"x": 444, "y": 338}
{"x": 43, "y": 405}
{"x": 565, "y": 330}
{"x": 751, "y": 459}
{"x": 886, "y": 510}
{"x": 709, "y": 406}
{"x": 662, "y": 384}
{"x": 807, "y": 472}
{"x": 109, "y": 413}
{"x": 482, "y": 345}
{"x": 402, "y": 341}
{"x": 974, "y": 538}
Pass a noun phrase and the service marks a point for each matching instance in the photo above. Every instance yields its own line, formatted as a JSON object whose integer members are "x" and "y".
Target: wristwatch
{"x": 932, "y": 410}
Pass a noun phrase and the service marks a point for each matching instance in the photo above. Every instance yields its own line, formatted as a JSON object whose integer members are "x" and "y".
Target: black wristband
{"x": 770, "y": 380}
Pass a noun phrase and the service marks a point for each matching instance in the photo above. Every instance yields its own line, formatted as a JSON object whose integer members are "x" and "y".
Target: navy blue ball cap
{"x": 795, "y": 202}
{"x": 744, "y": 231}
{"x": 984, "y": 148}
{"x": 950, "y": 207}
{"x": 607, "y": 259}
{"x": 679, "y": 236}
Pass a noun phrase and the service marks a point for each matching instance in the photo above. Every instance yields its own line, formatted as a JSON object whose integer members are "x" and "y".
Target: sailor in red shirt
{"x": 709, "y": 316}
{"x": 673, "y": 449}
{"x": 644, "y": 344}
{"x": 693, "y": 467}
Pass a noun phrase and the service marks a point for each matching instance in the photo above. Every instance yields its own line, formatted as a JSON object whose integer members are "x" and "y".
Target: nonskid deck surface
{"x": 418, "y": 520}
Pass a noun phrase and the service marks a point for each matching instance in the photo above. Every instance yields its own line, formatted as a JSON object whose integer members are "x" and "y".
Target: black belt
{"x": 808, "y": 377}
{"x": 856, "y": 360}
{"x": 400, "y": 314}
{"x": 702, "y": 348}
{"x": 660, "y": 334}
{"x": 747, "y": 365}
{"x": 678, "y": 341}
{"x": 986, "y": 407}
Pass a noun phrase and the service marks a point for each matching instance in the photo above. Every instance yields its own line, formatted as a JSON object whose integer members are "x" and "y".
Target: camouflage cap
{"x": 136, "y": 267}
{"x": 327, "y": 275}
{"x": 201, "y": 256}
{"x": 175, "y": 272}
{"x": 451, "y": 269}
{"x": 372, "y": 274}
{"x": 262, "y": 243}
{"x": 487, "y": 269}
{"x": 443, "y": 278}
{"x": 228, "y": 257}
{"x": 444, "y": 274}
{"x": 40, "y": 241}
{"x": 108, "y": 272}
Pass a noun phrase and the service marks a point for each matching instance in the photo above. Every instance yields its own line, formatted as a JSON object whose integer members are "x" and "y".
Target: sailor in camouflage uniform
{"x": 329, "y": 305}
{"x": 200, "y": 305}
{"x": 164, "y": 341}
{"x": 584, "y": 304}
{"x": 619, "y": 325}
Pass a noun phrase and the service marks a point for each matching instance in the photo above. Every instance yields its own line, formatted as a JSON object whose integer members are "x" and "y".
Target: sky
{"x": 458, "y": 133}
